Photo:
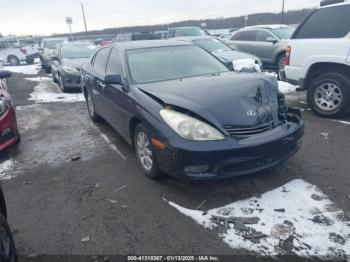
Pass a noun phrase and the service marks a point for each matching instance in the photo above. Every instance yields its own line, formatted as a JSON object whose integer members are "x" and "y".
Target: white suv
{"x": 318, "y": 58}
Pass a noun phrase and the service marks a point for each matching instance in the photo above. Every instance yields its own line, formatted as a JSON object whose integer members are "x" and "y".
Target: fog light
{"x": 196, "y": 169}
{"x": 6, "y": 131}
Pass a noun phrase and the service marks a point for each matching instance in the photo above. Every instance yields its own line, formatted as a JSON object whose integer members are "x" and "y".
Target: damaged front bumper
{"x": 232, "y": 157}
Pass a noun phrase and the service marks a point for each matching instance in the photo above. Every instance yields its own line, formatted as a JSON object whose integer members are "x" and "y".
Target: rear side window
{"x": 248, "y": 36}
{"x": 115, "y": 63}
{"x": 262, "y": 36}
{"x": 331, "y": 22}
{"x": 100, "y": 61}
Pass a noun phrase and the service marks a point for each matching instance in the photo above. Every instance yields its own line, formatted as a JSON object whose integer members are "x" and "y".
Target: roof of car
{"x": 275, "y": 26}
{"x": 149, "y": 44}
{"x": 194, "y": 38}
{"x": 336, "y": 3}
{"x": 183, "y": 27}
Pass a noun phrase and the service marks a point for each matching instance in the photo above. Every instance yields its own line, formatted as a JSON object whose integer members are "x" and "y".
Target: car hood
{"x": 76, "y": 63}
{"x": 229, "y": 56}
{"x": 234, "y": 99}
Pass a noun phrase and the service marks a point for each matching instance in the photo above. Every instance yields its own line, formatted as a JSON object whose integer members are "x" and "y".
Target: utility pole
{"x": 282, "y": 11}
{"x": 82, "y": 9}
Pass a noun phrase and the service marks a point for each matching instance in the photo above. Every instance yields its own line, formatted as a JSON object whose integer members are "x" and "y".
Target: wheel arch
{"x": 132, "y": 127}
{"x": 318, "y": 69}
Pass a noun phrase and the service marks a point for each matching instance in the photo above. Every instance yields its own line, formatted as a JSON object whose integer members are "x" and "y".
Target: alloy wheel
{"x": 328, "y": 96}
{"x": 144, "y": 151}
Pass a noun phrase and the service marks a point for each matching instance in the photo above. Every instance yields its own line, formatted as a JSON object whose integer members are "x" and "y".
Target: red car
{"x": 9, "y": 134}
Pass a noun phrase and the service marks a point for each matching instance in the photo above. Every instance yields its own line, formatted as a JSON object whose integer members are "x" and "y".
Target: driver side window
{"x": 262, "y": 36}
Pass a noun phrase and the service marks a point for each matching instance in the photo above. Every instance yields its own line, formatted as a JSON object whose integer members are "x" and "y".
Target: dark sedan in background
{"x": 67, "y": 63}
{"x": 186, "y": 113}
{"x": 220, "y": 50}
{"x": 9, "y": 134}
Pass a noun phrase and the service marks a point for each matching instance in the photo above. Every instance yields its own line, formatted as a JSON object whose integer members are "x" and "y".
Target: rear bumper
{"x": 221, "y": 159}
{"x": 71, "y": 81}
{"x": 8, "y": 129}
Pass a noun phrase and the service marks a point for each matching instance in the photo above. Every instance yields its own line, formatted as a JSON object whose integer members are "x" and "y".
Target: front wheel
{"x": 13, "y": 61}
{"x": 30, "y": 61}
{"x": 91, "y": 107}
{"x": 329, "y": 95}
{"x": 7, "y": 245}
{"x": 144, "y": 152}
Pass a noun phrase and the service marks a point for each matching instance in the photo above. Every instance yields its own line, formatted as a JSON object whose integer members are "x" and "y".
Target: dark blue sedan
{"x": 186, "y": 114}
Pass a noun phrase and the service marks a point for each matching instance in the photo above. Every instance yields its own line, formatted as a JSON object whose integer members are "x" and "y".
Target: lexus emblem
{"x": 251, "y": 112}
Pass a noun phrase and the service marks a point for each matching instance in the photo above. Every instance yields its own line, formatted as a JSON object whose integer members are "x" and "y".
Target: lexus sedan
{"x": 9, "y": 134}
{"x": 224, "y": 53}
{"x": 186, "y": 114}
{"x": 67, "y": 62}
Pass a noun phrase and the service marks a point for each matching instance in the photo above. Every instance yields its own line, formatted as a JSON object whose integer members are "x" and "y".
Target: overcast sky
{"x": 26, "y": 17}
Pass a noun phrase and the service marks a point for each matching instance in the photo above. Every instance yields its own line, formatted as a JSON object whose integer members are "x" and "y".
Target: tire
{"x": 60, "y": 81}
{"x": 7, "y": 246}
{"x": 146, "y": 159}
{"x": 329, "y": 95}
{"x": 42, "y": 63}
{"x": 54, "y": 78}
{"x": 13, "y": 60}
{"x": 30, "y": 61}
{"x": 47, "y": 69}
{"x": 280, "y": 65}
{"x": 91, "y": 107}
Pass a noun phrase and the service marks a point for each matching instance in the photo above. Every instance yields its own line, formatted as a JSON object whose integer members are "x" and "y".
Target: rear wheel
{"x": 144, "y": 152}
{"x": 7, "y": 245}
{"x": 13, "y": 60}
{"x": 329, "y": 95}
{"x": 54, "y": 79}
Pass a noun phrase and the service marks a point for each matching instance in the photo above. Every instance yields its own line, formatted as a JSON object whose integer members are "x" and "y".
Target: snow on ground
{"x": 286, "y": 88}
{"x": 296, "y": 218}
{"x": 24, "y": 69}
{"x": 47, "y": 92}
{"x": 342, "y": 122}
{"x": 6, "y": 169}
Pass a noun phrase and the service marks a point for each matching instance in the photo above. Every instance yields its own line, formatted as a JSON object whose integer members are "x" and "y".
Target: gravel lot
{"x": 74, "y": 188}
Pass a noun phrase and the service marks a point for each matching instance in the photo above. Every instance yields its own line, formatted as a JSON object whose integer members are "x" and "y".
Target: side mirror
{"x": 271, "y": 39}
{"x": 113, "y": 79}
{"x": 5, "y": 74}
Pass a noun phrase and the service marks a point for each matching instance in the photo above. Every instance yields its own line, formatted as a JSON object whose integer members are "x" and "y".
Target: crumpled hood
{"x": 234, "y": 99}
{"x": 229, "y": 56}
{"x": 76, "y": 63}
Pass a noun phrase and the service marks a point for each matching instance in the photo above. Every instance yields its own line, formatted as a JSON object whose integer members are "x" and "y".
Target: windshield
{"x": 77, "y": 51}
{"x": 212, "y": 45}
{"x": 167, "y": 63}
{"x": 51, "y": 44}
{"x": 283, "y": 33}
{"x": 191, "y": 31}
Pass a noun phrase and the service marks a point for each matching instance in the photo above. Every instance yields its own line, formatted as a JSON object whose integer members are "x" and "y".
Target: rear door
{"x": 117, "y": 100}
{"x": 245, "y": 41}
{"x": 264, "y": 49}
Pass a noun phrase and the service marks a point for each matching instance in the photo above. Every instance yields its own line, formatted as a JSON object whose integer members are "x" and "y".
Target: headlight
{"x": 3, "y": 105}
{"x": 70, "y": 70}
{"x": 190, "y": 128}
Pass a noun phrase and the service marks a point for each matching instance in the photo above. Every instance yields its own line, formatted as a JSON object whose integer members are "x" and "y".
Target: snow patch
{"x": 286, "y": 88}
{"x": 47, "y": 92}
{"x": 342, "y": 122}
{"x": 246, "y": 65}
{"x": 24, "y": 69}
{"x": 296, "y": 218}
{"x": 6, "y": 169}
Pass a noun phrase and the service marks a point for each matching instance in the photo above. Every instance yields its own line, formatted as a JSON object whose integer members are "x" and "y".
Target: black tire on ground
{"x": 13, "y": 60}
{"x": 91, "y": 107}
{"x": 42, "y": 63}
{"x": 153, "y": 172}
{"x": 48, "y": 69}
{"x": 7, "y": 246}
{"x": 61, "y": 84}
{"x": 280, "y": 67}
{"x": 30, "y": 61}
{"x": 54, "y": 78}
{"x": 334, "y": 79}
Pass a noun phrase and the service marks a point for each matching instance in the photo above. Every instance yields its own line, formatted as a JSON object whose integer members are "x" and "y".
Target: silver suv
{"x": 47, "y": 50}
{"x": 268, "y": 42}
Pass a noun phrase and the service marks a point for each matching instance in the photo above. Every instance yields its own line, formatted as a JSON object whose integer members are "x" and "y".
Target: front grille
{"x": 248, "y": 131}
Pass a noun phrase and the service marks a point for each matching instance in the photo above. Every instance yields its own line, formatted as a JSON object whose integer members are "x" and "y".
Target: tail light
{"x": 287, "y": 58}
{"x": 23, "y": 51}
